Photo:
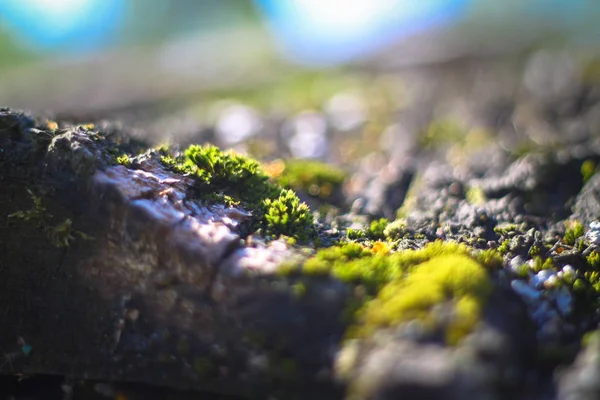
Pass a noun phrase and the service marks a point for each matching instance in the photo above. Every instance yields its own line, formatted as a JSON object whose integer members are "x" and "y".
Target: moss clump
{"x": 540, "y": 264}
{"x": 593, "y": 261}
{"x": 313, "y": 177}
{"x": 375, "y": 231}
{"x": 227, "y": 172}
{"x": 574, "y": 230}
{"x": 232, "y": 179}
{"x": 123, "y": 160}
{"x": 285, "y": 215}
{"x": 589, "y": 287}
{"x": 398, "y": 287}
{"x": 453, "y": 278}
{"x": 396, "y": 229}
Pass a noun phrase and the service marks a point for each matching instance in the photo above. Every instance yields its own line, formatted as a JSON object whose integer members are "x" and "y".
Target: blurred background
{"x": 327, "y": 79}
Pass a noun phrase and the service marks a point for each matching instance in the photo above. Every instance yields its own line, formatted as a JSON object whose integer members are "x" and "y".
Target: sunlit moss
{"x": 286, "y": 215}
{"x": 574, "y": 230}
{"x": 454, "y": 278}
{"x": 124, "y": 160}
{"x": 232, "y": 179}
{"x": 438, "y": 273}
{"x": 375, "y": 231}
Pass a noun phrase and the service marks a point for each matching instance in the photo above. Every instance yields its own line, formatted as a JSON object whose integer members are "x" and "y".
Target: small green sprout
{"x": 36, "y": 214}
{"x": 574, "y": 230}
{"x": 396, "y": 229}
{"x": 355, "y": 234}
{"x": 124, "y": 160}
{"x": 63, "y": 234}
{"x": 60, "y": 235}
{"x": 375, "y": 231}
{"x": 287, "y": 216}
{"x": 593, "y": 260}
{"x": 377, "y": 228}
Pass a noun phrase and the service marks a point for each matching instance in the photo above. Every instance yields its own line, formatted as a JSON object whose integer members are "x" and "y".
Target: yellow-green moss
{"x": 593, "y": 260}
{"x": 230, "y": 178}
{"x": 401, "y": 286}
{"x": 455, "y": 278}
{"x": 286, "y": 215}
{"x": 375, "y": 231}
{"x": 574, "y": 230}
{"x": 123, "y": 160}
{"x": 396, "y": 229}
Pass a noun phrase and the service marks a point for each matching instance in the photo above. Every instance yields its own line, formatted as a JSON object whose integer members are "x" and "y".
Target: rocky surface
{"x": 117, "y": 273}
{"x": 120, "y": 268}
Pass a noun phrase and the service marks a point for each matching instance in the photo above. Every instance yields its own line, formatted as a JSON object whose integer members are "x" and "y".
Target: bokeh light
{"x": 330, "y": 31}
{"x": 69, "y": 25}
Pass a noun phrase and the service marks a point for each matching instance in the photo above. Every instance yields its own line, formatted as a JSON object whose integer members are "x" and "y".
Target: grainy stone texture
{"x": 154, "y": 286}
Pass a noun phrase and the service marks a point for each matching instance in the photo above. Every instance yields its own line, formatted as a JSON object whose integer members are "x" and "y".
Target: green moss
{"x": 285, "y": 215}
{"x": 59, "y": 235}
{"x": 591, "y": 285}
{"x": 375, "y": 231}
{"x": 453, "y": 278}
{"x": 377, "y": 228}
{"x": 535, "y": 251}
{"x": 315, "y": 178}
{"x": 183, "y": 346}
{"x": 540, "y": 264}
{"x": 457, "y": 274}
{"x": 504, "y": 247}
{"x": 574, "y": 230}
{"x": 355, "y": 234}
{"x": 593, "y": 261}
{"x": 505, "y": 230}
{"x": 588, "y": 169}
{"x": 396, "y": 229}
{"x": 123, "y": 160}
{"x": 232, "y": 179}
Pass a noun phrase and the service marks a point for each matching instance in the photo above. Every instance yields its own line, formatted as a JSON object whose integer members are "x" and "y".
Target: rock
{"x": 120, "y": 273}
{"x": 581, "y": 381}
{"x": 490, "y": 363}
{"x": 587, "y": 204}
